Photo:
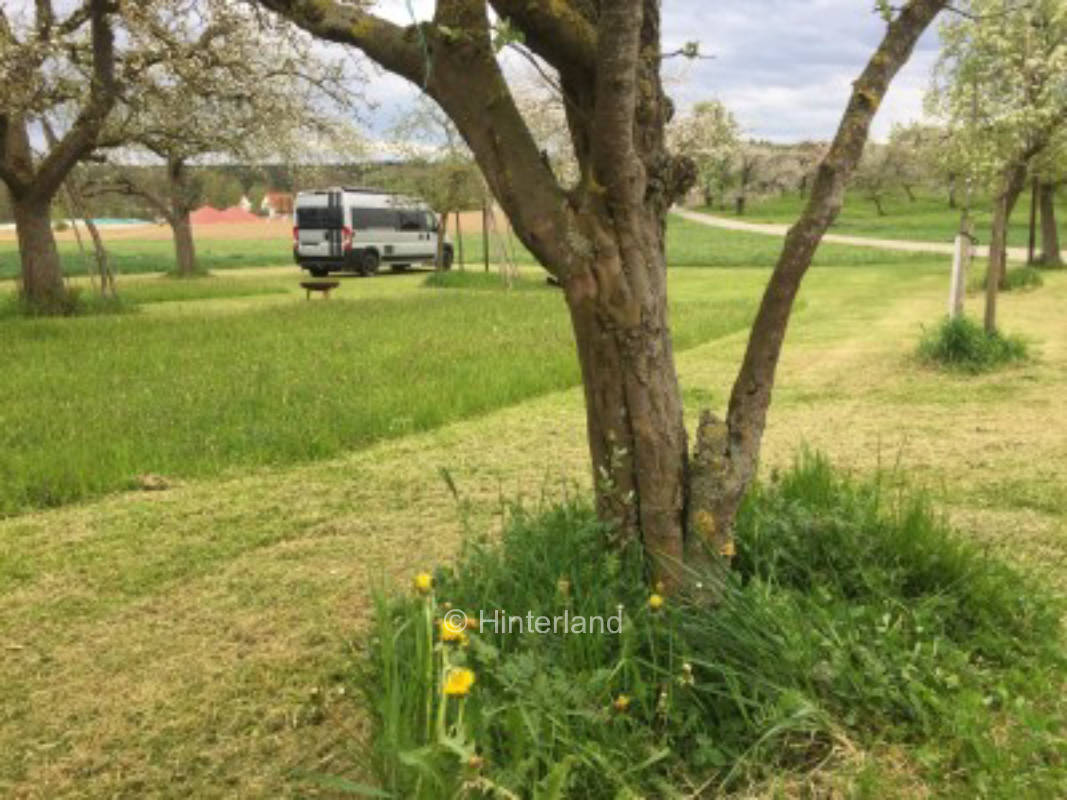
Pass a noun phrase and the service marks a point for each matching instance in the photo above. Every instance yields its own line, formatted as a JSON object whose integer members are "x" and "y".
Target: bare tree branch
{"x": 751, "y": 394}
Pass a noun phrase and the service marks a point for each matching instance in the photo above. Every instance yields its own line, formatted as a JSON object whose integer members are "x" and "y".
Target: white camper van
{"x": 346, "y": 229}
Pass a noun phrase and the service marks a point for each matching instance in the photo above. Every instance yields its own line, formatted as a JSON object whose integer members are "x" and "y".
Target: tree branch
{"x": 558, "y": 32}
{"x": 391, "y": 46}
{"x": 751, "y": 394}
{"x": 81, "y": 137}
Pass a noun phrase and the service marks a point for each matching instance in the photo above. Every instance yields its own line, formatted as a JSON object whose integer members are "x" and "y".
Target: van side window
{"x": 429, "y": 221}
{"x": 410, "y": 221}
{"x": 318, "y": 217}
{"x": 364, "y": 218}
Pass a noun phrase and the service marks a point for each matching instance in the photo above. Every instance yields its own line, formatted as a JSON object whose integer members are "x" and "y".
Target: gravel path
{"x": 774, "y": 229}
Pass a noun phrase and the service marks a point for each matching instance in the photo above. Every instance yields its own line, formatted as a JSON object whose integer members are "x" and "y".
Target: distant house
{"x": 277, "y": 204}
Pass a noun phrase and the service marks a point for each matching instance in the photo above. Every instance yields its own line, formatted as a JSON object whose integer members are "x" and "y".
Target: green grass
{"x": 854, "y": 619}
{"x": 192, "y": 395}
{"x": 962, "y": 345}
{"x": 132, "y": 256}
{"x": 927, "y": 219}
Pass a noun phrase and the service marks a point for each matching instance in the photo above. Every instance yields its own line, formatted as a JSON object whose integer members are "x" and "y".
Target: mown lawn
{"x": 927, "y": 219}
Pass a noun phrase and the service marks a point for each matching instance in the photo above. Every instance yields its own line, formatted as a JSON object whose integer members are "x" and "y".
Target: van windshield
{"x": 319, "y": 217}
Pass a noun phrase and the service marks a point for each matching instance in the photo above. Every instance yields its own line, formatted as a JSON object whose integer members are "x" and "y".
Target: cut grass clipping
{"x": 850, "y": 622}
{"x": 962, "y": 344}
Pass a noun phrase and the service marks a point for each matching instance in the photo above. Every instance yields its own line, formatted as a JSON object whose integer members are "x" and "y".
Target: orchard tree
{"x": 875, "y": 174}
{"x": 910, "y": 150}
{"x": 1051, "y": 172}
{"x": 51, "y": 63}
{"x": 229, "y": 87}
{"x": 1001, "y": 85}
{"x": 441, "y": 169}
{"x": 603, "y": 239}
{"x": 709, "y": 135}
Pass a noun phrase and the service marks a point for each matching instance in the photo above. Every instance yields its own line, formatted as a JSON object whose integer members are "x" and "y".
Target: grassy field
{"x": 197, "y": 641}
{"x": 927, "y": 219}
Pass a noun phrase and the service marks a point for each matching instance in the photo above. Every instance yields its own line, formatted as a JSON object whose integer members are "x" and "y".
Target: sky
{"x": 784, "y": 67}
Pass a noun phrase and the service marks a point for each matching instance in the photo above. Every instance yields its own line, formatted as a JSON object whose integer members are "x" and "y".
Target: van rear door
{"x": 319, "y": 220}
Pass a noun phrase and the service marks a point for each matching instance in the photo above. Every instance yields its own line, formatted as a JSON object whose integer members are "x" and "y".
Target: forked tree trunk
{"x": 603, "y": 239}
{"x": 1050, "y": 235}
{"x": 42, "y": 277}
{"x": 1011, "y": 185}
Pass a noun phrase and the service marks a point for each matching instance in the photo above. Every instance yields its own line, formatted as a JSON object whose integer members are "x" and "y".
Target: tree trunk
{"x": 1050, "y": 235}
{"x": 459, "y": 241}
{"x": 952, "y": 191}
{"x": 877, "y": 200}
{"x": 908, "y": 191}
{"x": 442, "y": 231}
{"x": 740, "y": 205}
{"x": 184, "y": 246}
{"x": 635, "y": 426}
{"x": 107, "y": 277}
{"x": 42, "y": 278}
{"x": 1011, "y": 185}
{"x": 180, "y": 196}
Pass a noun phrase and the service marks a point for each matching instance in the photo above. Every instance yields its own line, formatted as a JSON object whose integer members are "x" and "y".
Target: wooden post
{"x": 485, "y": 235}
{"x": 961, "y": 257}
{"x": 459, "y": 239}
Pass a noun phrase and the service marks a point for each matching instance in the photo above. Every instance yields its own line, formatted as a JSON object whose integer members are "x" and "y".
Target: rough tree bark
{"x": 604, "y": 240}
{"x": 33, "y": 183}
{"x": 1012, "y": 181}
{"x": 41, "y": 278}
{"x": 1050, "y": 235}
{"x": 178, "y": 217}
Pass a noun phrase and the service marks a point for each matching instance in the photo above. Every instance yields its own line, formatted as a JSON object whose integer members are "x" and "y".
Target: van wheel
{"x": 370, "y": 263}
{"x": 400, "y": 267}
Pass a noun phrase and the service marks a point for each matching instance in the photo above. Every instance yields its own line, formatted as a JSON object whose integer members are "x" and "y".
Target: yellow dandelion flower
{"x": 476, "y": 762}
{"x": 458, "y": 681}
{"x": 728, "y": 549}
{"x": 621, "y": 703}
{"x": 423, "y": 582}
{"x": 451, "y": 630}
{"x": 655, "y": 601}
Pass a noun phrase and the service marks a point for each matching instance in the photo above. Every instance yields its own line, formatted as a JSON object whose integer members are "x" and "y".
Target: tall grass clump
{"x": 850, "y": 619}
{"x": 962, "y": 344}
{"x": 1015, "y": 279}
